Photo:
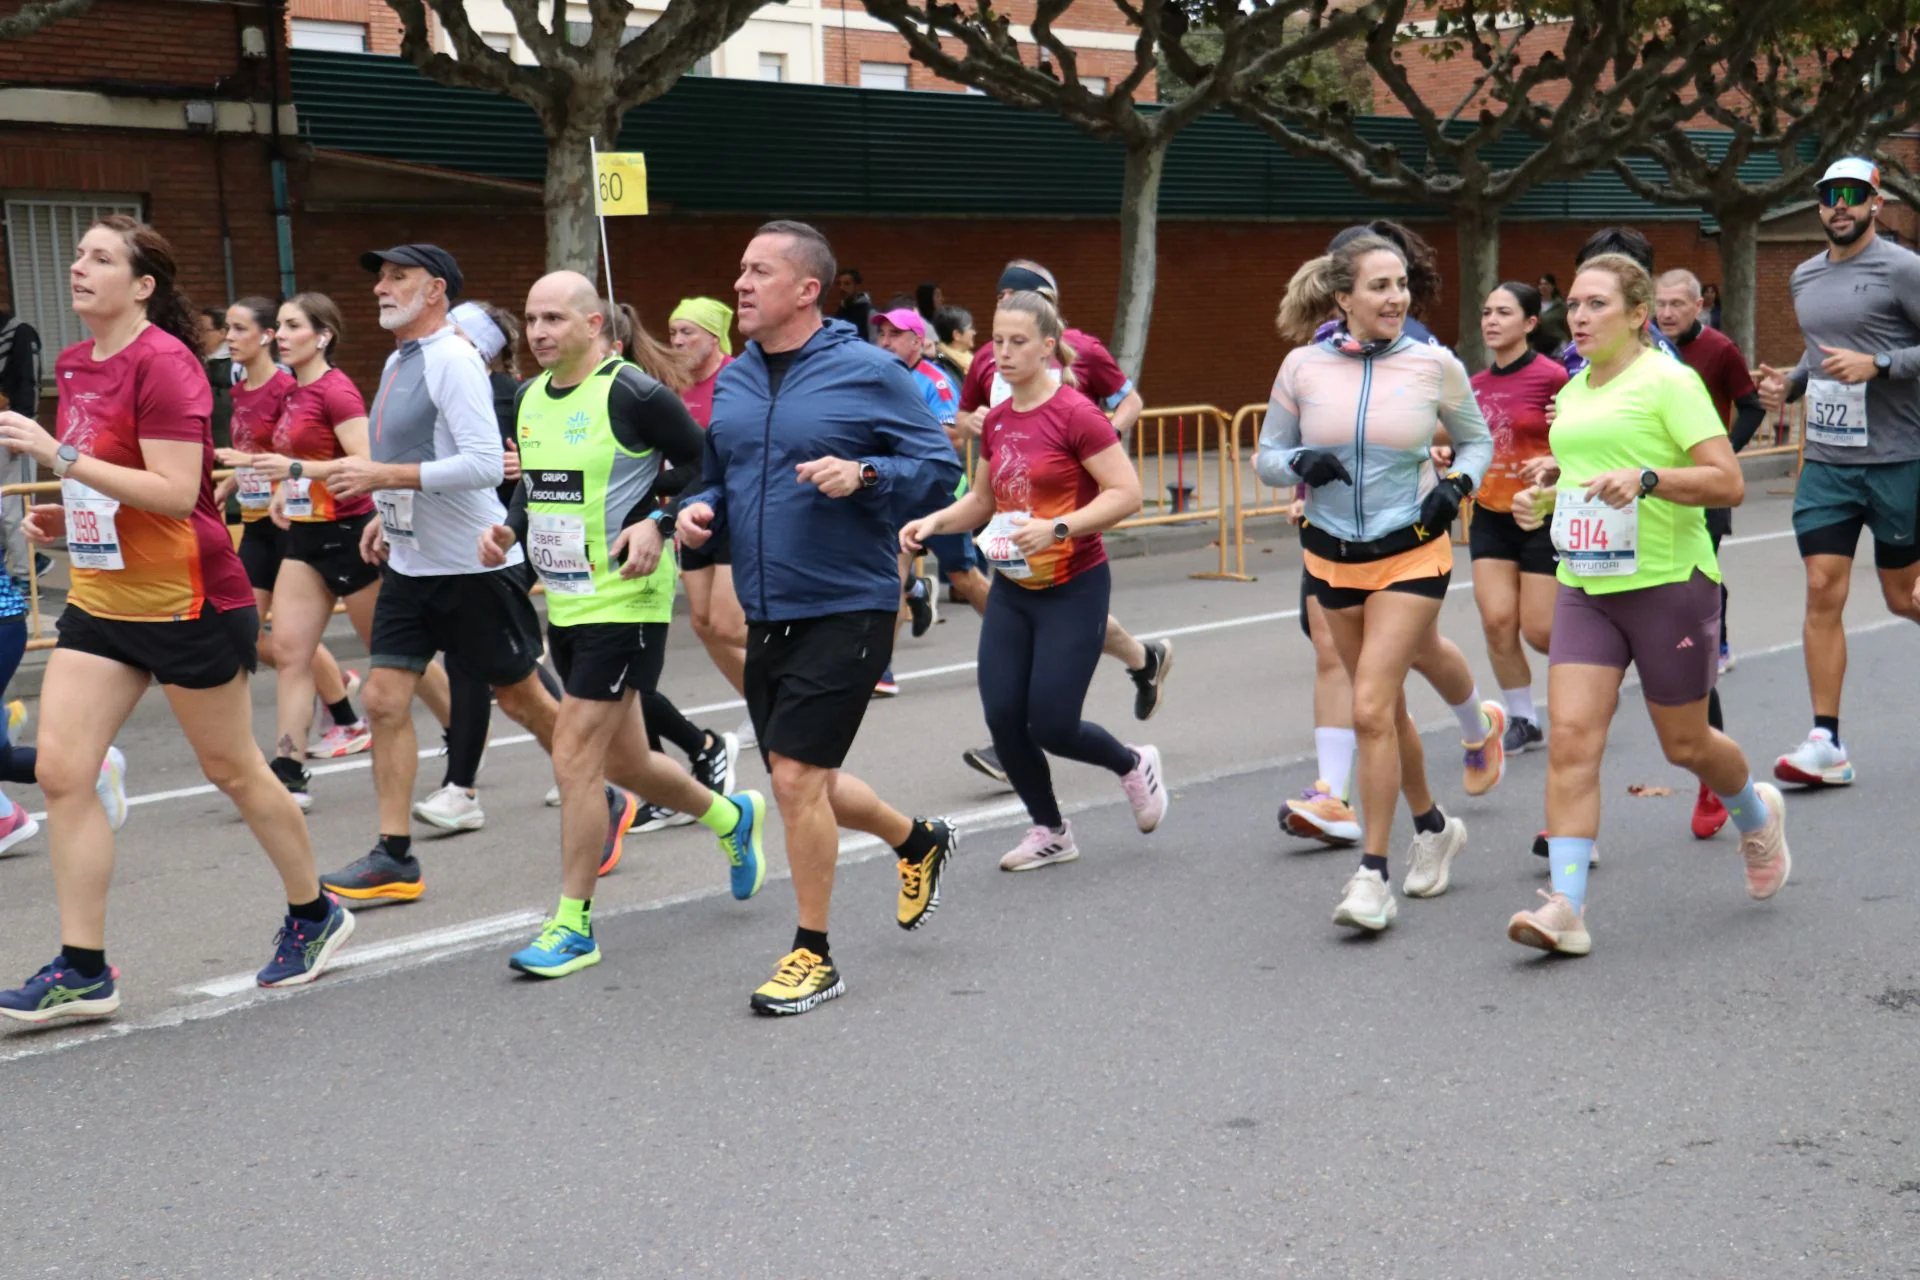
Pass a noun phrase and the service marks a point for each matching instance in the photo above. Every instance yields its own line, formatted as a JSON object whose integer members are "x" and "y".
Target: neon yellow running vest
{"x": 581, "y": 483}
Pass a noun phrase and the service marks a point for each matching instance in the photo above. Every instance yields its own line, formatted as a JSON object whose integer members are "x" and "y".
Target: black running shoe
{"x": 922, "y": 606}
{"x": 377, "y": 879}
{"x": 1149, "y": 680}
{"x": 1540, "y": 851}
{"x": 294, "y": 777}
{"x": 713, "y": 766}
{"x": 984, "y": 760}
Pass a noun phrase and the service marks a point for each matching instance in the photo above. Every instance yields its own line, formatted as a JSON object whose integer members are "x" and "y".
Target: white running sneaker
{"x": 1146, "y": 792}
{"x": 552, "y": 800}
{"x": 747, "y": 737}
{"x": 1040, "y": 847}
{"x": 112, "y": 788}
{"x": 1369, "y": 903}
{"x": 1431, "y": 860}
{"x": 451, "y": 809}
{"x": 1817, "y": 762}
{"x": 343, "y": 740}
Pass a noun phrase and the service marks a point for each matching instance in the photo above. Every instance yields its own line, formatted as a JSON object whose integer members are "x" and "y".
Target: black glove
{"x": 1317, "y": 466}
{"x": 1443, "y": 501}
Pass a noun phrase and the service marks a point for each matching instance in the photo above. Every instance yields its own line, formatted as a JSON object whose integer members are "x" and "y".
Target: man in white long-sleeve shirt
{"x": 434, "y": 473}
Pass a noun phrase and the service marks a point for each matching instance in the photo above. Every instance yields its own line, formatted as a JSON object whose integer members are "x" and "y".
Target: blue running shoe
{"x": 57, "y": 993}
{"x": 742, "y": 844}
{"x": 557, "y": 952}
{"x": 303, "y": 948}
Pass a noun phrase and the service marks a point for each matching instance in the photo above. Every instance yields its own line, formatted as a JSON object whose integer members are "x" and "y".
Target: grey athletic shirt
{"x": 1870, "y": 303}
{"x": 435, "y": 407}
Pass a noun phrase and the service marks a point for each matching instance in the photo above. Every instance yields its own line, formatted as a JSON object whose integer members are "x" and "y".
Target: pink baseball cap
{"x": 904, "y": 318}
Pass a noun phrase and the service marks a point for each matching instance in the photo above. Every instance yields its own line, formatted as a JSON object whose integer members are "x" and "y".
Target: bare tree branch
{"x": 37, "y": 14}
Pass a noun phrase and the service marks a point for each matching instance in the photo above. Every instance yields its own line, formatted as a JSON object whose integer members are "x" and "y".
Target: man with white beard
{"x": 434, "y": 473}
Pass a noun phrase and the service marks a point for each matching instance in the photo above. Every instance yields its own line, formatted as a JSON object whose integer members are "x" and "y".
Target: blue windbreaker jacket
{"x": 796, "y": 552}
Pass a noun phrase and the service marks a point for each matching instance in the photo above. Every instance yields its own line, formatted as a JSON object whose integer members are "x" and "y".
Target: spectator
{"x": 1551, "y": 333}
{"x": 20, "y": 392}
{"x": 929, "y": 299}
{"x": 953, "y": 341}
{"x": 210, "y": 330}
{"x": 856, "y": 308}
{"x": 1710, "y": 305}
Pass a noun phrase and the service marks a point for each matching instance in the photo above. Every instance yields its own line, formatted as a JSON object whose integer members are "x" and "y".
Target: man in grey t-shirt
{"x": 1858, "y": 305}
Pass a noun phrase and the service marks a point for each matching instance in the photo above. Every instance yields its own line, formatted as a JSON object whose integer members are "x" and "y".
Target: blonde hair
{"x": 1047, "y": 323}
{"x": 640, "y": 347}
{"x": 1636, "y": 286}
{"x": 1311, "y": 294}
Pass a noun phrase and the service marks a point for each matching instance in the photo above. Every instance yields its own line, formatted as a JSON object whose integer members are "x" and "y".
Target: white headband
{"x": 479, "y": 326}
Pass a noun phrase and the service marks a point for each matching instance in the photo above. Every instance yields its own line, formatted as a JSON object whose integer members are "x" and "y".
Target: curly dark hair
{"x": 149, "y": 254}
{"x": 1423, "y": 264}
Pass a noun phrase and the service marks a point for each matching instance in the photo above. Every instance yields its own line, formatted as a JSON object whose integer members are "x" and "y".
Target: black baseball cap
{"x": 437, "y": 261}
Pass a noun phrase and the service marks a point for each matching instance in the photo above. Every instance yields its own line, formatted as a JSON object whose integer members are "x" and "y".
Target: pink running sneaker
{"x": 17, "y": 828}
{"x": 1040, "y": 847}
{"x": 1145, "y": 790}
{"x": 1552, "y": 926}
{"x": 1768, "y": 862}
{"x": 343, "y": 740}
{"x": 1485, "y": 762}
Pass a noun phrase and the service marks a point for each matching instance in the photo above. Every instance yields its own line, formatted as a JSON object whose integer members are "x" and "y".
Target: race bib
{"x": 93, "y": 540}
{"x": 299, "y": 500}
{"x": 1595, "y": 539}
{"x": 256, "y": 491}
{"x": 996, "y": 544}
{"x": 396, "y": 515}
{"x": 557, "y": 548}
{"x": 1837, "y": 413}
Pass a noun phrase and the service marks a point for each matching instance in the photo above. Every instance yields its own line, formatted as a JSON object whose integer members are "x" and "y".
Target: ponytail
{"x": 1312, "y": 295}
{"x": 640, "y": 347}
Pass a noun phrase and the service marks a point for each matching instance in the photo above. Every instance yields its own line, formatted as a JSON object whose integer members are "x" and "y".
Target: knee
{"x": 1688, "y": 750}
{"x": 1376, "y": 712}
{"x": 387, "y": 699}
{"x": 1826, "y": 594}
{"x": 230, "y": 770}
{"x": 1052, "y": 732}
{"x": 61, "y": 771}
{"x": 523, "y": 702}
{"x": 283, "y": 650}
{"x": 797, "y": 786}
{"x": 1575, "y": 743}
{"x": 1500, "y": 625}
{"x": 702, "y": 619}
{"x": 1899, "y": 598}
{"x": 1538, "y": 635}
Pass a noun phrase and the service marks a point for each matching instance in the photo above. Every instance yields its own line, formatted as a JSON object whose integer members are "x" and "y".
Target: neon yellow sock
{"x": 576, "y": 914}
{"x": 722, "y": 816}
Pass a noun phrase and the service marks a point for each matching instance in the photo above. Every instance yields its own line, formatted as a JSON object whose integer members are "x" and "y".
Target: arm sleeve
{"x": 173, "y": 400}
{"x": 1748, "y": 413}
{"x": 1466, "y": 425}
{"x": 464, "y": 401}
{"x": 915, "y": 462}
{"x": 1098, "y": 373}
{"x": 1280, "y": 436}
{"x": 517, "y": 512}
{"x": 646, "y": 415}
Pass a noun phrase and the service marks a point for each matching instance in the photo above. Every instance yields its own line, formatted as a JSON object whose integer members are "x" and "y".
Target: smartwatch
{"x": 295, "y": 470}
{"x": 1883, "y": 364}
{"x": 1060, "y": 531}
{"x": 63, "y": 459}
{"x": 869, "y": 475}
{"x": 662, "y": 522}
{"x": 1649, "y": 480}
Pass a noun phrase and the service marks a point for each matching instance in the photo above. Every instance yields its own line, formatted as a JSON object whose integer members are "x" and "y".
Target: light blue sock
{"x": 1567, "y": 859}
{"x": 6, "y": 805}
{"x": 1747, "y": 809}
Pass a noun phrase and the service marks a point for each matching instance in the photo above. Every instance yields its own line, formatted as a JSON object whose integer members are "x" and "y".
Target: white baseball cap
{"x": 1852, "y": 169}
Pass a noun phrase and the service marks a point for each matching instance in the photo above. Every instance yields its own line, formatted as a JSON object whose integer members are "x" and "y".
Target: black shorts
{"x": 1430, "y": 586}
{"x": 600, "y": 661}
{"x": 263, "y": 545}
{"x": 1496, "y": 535}
{"x": 191, "y": 653}
{"x": 808, "y": 682}
{"x": 331, "y": 548}
{"x": 483, "y": 621}
{"x": 716, "y": 550}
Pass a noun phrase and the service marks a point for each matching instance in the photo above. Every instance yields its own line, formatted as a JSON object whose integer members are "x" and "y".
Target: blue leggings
{"x": 1038, "y": 651}
{"x": 16, "y": 763}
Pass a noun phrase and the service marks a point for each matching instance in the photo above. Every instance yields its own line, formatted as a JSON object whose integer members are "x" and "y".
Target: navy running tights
{"x": 1038, "y": 651}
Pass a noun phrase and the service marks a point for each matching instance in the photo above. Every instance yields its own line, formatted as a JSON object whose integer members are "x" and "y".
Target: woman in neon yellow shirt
{"x": 1641, "y": 455}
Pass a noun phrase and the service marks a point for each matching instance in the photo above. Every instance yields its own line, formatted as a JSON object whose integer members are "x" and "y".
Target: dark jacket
{"x": 796, "y": 552}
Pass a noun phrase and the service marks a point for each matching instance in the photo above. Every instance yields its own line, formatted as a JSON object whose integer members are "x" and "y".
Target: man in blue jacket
{"x": 819, "y": 448}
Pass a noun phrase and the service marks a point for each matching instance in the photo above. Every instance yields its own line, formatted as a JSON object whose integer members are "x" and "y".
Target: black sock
{"x": 87, "y": 963}
{"x": 342, "y": 712}
{"x": 1430, "y": 823}
{"x": 919, "y": 842}
{"x": 812, "y": 940}
{"x": 1830, "y": 723}
{"x": 313, "y": 912}
{"x": 398, "y": 846}
{"x": 1376, "y": 863}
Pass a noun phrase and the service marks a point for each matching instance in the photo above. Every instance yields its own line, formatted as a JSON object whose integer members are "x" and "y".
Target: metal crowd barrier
{"x": 1174, "y": 495}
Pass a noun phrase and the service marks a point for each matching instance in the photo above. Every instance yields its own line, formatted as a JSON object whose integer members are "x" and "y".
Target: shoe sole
{"x": 77, "y": 1011}
{"x": 939, "y": 875}
{"x": 1160, "y": 675}
{"x": 663, "y": 824}
{"x": 629, "y": 810}
{"x": 1528, "y": 934}
{"x": 1149, "y": 824}
{"x": 1034, "y": 864}
{"x": 978, "y": 765}
{"x": 380, "y": 896}
{"x": 574, "y": 965}
{"x": 1444, "y": 880}
{"x": 756, "y": 846}
{"x": 19, "y": 836}
{"x": 892, "y": 692}
{"x": 1308, "y": 827}
{"x": 787, "y": 1008}
{"x": 115, "y": 801}
{"x": 353, "y": 748}
{"x": 471, "y": 822}
{"x": 1349, "y": 920}
{"x": 321, "y": 961}
{"x": 1784, "y": 772}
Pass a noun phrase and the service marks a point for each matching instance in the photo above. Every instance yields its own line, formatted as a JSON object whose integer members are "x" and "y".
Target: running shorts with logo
{"x": 206, "y": 652}
{"x": 483, "y": 620}
{"x": 331, "y": 549}
{"x": 809, "y": 682}
{"x": 1640, "y": 584}
{"x": 325, "y": 532}
{"x": 1832, "y": 503}
{"x": 1496, "y": 535}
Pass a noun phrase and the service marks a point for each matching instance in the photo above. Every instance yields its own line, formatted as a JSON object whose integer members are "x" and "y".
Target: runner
{"x": 1632, "y": 244}
{"x": 258, "y": 401}
{"x": 1051, "y": 478}
{"x": 158, "y": 594}
{"x": 436, "y": 461}
{"x": 1148, "y": 663}
{"x": 322, "y": 419}
{"x": 1858, "y": 305}
{"x": 1513, "y": 569}
{"x": 1375, "y": 541}
{"x": 809, "y": 402}
{"x": 1641, "y": 451}
{"x": 594, "y": 430}
{"x": 1678, "y": 309}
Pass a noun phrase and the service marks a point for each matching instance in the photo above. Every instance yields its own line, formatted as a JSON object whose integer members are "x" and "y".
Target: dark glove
{"x": 1443, "y": 501}
{"x": 1317, "y": 466}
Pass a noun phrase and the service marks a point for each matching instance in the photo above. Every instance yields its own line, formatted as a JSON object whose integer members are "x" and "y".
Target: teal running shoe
{"x": 557, "y": 952}
{"x": 742, "y": 844}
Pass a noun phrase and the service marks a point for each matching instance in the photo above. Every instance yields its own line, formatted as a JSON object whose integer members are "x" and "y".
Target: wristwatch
{"x": 663, "y": 522}
{"x": 295, "y": 470}
{"x": 1649, "y": 480}
{"x": 869, "y": 475}
{"x": 63, "y": 459}
{"x": 1060, "y": 531}
{"x": 1884, "y": 364}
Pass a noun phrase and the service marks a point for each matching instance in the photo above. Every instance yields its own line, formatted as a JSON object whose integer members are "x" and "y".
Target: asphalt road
{"x": 1162, "y": 1060}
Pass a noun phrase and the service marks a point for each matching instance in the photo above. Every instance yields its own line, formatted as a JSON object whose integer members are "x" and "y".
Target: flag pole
{"x": 606, "y": 257}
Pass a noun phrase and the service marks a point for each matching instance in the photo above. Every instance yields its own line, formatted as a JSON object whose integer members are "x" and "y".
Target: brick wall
{"x": 146, "y": 42}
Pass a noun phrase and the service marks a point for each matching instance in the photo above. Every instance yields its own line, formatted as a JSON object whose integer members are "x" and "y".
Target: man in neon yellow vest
{"x": 592, "y": 431}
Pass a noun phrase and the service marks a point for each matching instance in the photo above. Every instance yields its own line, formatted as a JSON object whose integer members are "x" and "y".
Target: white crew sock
{"x": 1520, "y": 703}
{"x": 1335, "y": 748}
{"x": 1473, "y": 721}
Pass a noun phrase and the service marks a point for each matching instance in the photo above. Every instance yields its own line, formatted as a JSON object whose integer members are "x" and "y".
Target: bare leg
{"x": 1120, "y": 645}
{"x": 84, "y": 700}
{"x": 1584, "y": 698}
{"x": 718, "y": 621}
{"x": 1823, "y": 634}
{"x": 813, "y": 837}
{"x": 396, "y": 762}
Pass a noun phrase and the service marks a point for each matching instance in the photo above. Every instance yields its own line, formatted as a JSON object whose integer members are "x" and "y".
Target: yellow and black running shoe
{"x": 920, "y": 881}
{"x": 801, "y": 980}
